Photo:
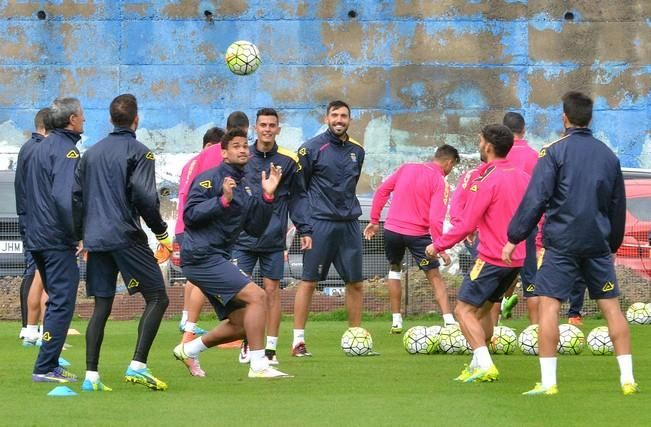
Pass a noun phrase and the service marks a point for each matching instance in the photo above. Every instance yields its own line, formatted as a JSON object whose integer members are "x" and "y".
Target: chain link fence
{"x": 633, "y": 265}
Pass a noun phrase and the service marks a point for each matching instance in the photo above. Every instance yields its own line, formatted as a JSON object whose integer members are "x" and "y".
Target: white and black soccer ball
{"x": 242, "y": 58}
{"x": 417, "y": 341}
{"x": 434, "y": 332}
{"x": 356, "y": 342}
{"x": 528, "y": 340}
{"x": 570, "y": 339}
{"x": 639, "y": 313}
{"x": 503, "y": 341}
{"x": 453, "y": 341}
{"x": 599, "y": 341}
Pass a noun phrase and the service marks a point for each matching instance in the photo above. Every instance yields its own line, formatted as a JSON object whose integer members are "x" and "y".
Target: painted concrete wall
{"x": 418, "y": 73}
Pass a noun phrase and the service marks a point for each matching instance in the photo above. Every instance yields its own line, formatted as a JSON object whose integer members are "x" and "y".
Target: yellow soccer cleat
{"x": 144, "y": 377}
{"x": 630, "y": 388}
{"x": 465, "y": 374}
{"x": 539, "y": 389}
{"x": 483, "y": 375}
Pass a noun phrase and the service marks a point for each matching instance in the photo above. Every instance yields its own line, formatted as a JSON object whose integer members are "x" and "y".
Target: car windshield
{"x": 640, "y": 208}
{"x": 8, "y": 197}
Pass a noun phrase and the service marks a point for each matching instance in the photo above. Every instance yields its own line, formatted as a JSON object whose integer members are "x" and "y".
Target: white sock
{"x": 547, "y": 371}
{"x": 625, "y": 362}
{"x": 448, "y": 319}
{"x": 184, "y": 316}
{"x": 32, "y": 330}
{"x": 194, "y": 347}
{"x": 137, "y": 365}
{"x": 189, "y": 326}
{"x": 272, "y": 343}
{"x": 258, "y": 360}
{"x": 299, "y": 337}
{"x": 397, "y": 319}
{"x": 473, "y": 362}
{"x": 92, "y": 376}
{"x": 484, "y": 360}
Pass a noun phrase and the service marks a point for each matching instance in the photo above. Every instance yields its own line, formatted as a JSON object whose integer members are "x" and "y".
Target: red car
{"x": 635, "y": 252}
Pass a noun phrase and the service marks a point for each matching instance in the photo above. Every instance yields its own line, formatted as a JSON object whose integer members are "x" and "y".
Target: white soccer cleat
{"x": 268, "y": 372}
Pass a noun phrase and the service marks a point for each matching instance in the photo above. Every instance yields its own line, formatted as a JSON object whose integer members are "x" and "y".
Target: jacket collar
{"x": 572, "y": 131}
{"x": 264, "y": 154}
{"x": 37, "y": 137}
{"x": 123, "y": 131}
{"x": 334, "y": 138}
{"x": 235, "y": 172}
{"x": 69, "y": 134}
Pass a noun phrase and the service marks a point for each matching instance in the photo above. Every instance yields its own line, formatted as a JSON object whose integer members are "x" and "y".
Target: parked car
{"x": 375, "y": 263}
{"x": 635, "y": 252}
{"x": 12, "y": 258}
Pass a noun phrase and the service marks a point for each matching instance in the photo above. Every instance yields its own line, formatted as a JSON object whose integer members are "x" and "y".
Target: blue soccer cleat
{"x": 144, "y": 377}
{"x": 89, "y": 385}
{"x": 57, "y": 375}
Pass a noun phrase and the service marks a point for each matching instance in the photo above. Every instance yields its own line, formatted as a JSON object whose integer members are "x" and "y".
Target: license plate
{"x": 11, "y": 247}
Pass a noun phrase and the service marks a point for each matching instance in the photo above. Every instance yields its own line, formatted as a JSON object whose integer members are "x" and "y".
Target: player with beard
{"x": 332, "y": 164}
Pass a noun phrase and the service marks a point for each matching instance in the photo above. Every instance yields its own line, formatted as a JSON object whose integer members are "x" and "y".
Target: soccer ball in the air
{"x": 242, "y": 58}
{"x": 434, "y": 332}
{"x": 417, "y": 341}
{"x": 453, "y": 341}
{"x": 356, "y": 342}
{"x": 638, "y": 314}
{"x": 528, "y": 340}
{"x": 504, "y": 340}
{"x": 570, "y": 339}
{"x": 599, "y": 341}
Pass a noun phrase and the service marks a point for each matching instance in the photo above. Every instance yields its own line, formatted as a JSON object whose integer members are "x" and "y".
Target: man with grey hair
{"x": 52, "y": 234}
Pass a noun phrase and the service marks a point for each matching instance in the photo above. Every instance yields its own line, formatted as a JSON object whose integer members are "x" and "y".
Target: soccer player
{"x": 269, "y": 249}
{"x": 219, "y": 206}
{"x": 584, "y": 204}
{"x": 524, "y": 157}
{"x": 117, "y": 186}
{"x": 52, "y": 232}
{"x": 32, "y": 295}
{"x": 332, "y": 164}
{"x": 494, "y": 197}
{"x": 418, "y": 207}
{"x": 193, "y": 298}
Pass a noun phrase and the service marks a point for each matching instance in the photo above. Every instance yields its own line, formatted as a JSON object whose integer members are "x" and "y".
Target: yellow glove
{"x": 164, "y": 249}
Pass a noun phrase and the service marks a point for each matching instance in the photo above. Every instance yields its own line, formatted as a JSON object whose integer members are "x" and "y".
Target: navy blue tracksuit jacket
{"x": 290, "y": 196}
{"x": 47, "y": 194}
{"x": 332, "y": 168}
{"x": 117, "y": 183}
{"x": 22, "y": 164}
{"x": 211, "y": 227}
{"x": 578, "y": 185}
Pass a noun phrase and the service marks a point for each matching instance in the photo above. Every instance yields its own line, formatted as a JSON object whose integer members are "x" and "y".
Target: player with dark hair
{"x": 237, "y": 120}
{"x": 524, "y": 157}
{"x": 32, "y": 295}
{"x": 584, "y": 204}
{"x": 494, "y": 197}
{"x": 415, "y": 219}
{"x": 268, "y": 250}
{"x": 332, "y": 164}
{"x": 193, "y": 298}
{"x": 116, "y": 185}
{"x": 51, "y": 230}
{"x": 219, "y": 206}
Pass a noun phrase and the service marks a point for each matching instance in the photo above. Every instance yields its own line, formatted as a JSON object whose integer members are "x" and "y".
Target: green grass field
{"x": 394, "y": 389}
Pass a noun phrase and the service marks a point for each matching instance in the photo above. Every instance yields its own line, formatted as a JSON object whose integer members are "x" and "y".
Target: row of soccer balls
{"x": 450, "y": 340}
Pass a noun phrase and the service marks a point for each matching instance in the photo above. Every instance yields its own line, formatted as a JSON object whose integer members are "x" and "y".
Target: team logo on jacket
{"x": 353, "y": 157}
{"x": 608, "y": 286}
{"x": 248, "y": 191}
{"x": 542, "y": 153}
{"x": 302, "y": 151}
{"x": 207, "y": 184}
{"x": 133, "y": 283}
{"x": 150, "y": 156}
{"x": 474, "y": 188}
{"x": 72, "y": 154}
